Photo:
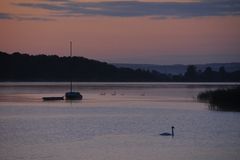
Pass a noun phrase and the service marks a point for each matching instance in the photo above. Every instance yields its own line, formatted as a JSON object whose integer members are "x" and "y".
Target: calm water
{"x": 119, "y": 121}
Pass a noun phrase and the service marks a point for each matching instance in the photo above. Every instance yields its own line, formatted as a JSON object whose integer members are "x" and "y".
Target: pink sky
{"x": 113, "y": 32}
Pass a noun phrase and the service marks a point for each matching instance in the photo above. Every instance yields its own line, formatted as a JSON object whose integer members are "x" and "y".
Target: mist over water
{"x": 114, "y": 121}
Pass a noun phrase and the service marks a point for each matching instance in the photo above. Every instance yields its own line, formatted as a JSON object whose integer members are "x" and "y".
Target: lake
{"x": 115, "y": 121}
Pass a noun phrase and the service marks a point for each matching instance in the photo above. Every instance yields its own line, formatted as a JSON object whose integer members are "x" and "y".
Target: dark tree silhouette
{"x": 208, "y": 74}
{"x": 191, "y": 73}
{"x": 222, "y": 73}
{"x": 23, "y": 67}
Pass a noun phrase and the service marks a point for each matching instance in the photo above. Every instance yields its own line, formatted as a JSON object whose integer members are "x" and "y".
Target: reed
{"x": 222, "y": 99}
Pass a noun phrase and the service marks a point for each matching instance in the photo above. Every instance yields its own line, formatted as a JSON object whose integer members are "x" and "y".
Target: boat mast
{"x": 71, "y": 65}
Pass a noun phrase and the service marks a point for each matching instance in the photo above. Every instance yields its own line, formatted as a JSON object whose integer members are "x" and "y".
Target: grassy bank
{"x": 222, "y": 99}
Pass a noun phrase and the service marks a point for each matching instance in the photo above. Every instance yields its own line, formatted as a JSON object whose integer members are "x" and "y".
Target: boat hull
{"x": 52, "y": 98}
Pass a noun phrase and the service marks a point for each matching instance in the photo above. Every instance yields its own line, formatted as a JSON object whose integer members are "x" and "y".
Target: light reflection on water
{"x": 121, "y": 126}
{"x": 34, "y": 91}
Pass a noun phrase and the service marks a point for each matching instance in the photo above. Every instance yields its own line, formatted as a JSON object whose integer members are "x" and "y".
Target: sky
{"x": 124, "y": 31}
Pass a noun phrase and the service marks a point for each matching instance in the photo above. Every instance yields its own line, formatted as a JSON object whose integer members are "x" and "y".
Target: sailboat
{"x": 71, "y": 95}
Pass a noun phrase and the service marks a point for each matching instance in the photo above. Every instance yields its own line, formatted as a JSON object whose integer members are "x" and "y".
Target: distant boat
{"x": 72, "y": 95}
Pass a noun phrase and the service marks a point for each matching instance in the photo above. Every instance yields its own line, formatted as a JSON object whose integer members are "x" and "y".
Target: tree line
{"x": 25, "y": 67}
{"x": 208, "y": 75}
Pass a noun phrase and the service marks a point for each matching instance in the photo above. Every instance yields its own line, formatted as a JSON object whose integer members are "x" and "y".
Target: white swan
{"x": 168, "y": 134}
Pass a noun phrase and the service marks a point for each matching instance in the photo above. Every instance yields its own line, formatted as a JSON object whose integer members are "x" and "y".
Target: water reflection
{"x": 227, "y": 108}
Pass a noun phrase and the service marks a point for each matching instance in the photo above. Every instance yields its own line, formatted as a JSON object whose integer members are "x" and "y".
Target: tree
{"x": 208, "y": 74}
{"x": 191, "y": 73}
{"x": 222, "y": 73}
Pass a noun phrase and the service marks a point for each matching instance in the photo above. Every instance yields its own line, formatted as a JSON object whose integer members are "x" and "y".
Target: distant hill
{"x": 180, "y": 69}
{"x": 24, "y": 67}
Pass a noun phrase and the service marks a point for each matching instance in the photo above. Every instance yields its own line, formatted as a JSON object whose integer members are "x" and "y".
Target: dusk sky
{"x": 143, "y": 31}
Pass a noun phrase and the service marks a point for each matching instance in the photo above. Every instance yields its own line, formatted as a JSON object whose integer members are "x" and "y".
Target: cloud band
{"x": 135, "y": 8}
